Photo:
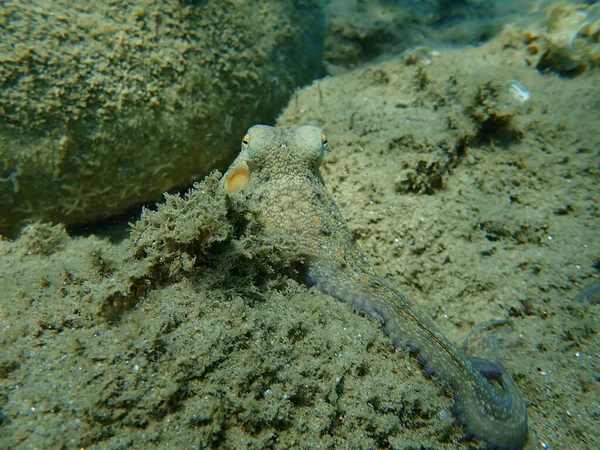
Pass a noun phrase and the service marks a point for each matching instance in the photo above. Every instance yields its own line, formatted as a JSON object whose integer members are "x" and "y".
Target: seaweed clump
{"x": 494, "y": 116}
{"x": 207, "y": 235}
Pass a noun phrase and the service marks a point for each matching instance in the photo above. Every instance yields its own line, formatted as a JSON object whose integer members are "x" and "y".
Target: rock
{"x": 566, "y": 40}
{"x": 105, "y": 105}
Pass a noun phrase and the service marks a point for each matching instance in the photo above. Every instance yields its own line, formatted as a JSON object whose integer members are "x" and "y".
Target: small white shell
{"x": 517, "y": 91}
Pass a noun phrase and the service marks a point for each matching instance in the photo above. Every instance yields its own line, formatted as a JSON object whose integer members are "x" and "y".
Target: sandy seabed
{"x": 479, "y": 205}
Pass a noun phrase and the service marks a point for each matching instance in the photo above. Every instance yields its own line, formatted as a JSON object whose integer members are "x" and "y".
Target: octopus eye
{"x": 325, "y": 142}
{"x": 245, "y": 142}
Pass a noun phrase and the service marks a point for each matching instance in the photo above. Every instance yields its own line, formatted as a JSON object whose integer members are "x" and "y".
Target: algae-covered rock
{"x": 566, "y": 40}
{"x": 107, "y": 104}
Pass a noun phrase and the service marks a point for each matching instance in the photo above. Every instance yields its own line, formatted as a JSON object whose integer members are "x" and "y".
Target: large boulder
{"x": 108, "y": 104}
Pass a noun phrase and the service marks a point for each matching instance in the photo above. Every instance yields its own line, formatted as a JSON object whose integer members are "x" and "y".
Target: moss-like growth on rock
{"x": 105, "y": 105}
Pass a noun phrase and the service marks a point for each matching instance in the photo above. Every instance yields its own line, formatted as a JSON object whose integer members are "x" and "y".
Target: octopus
{"x": 277, "y": 170}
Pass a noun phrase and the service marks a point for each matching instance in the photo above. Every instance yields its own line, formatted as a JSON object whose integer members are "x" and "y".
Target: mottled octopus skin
{"x": 278, "y": 171}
